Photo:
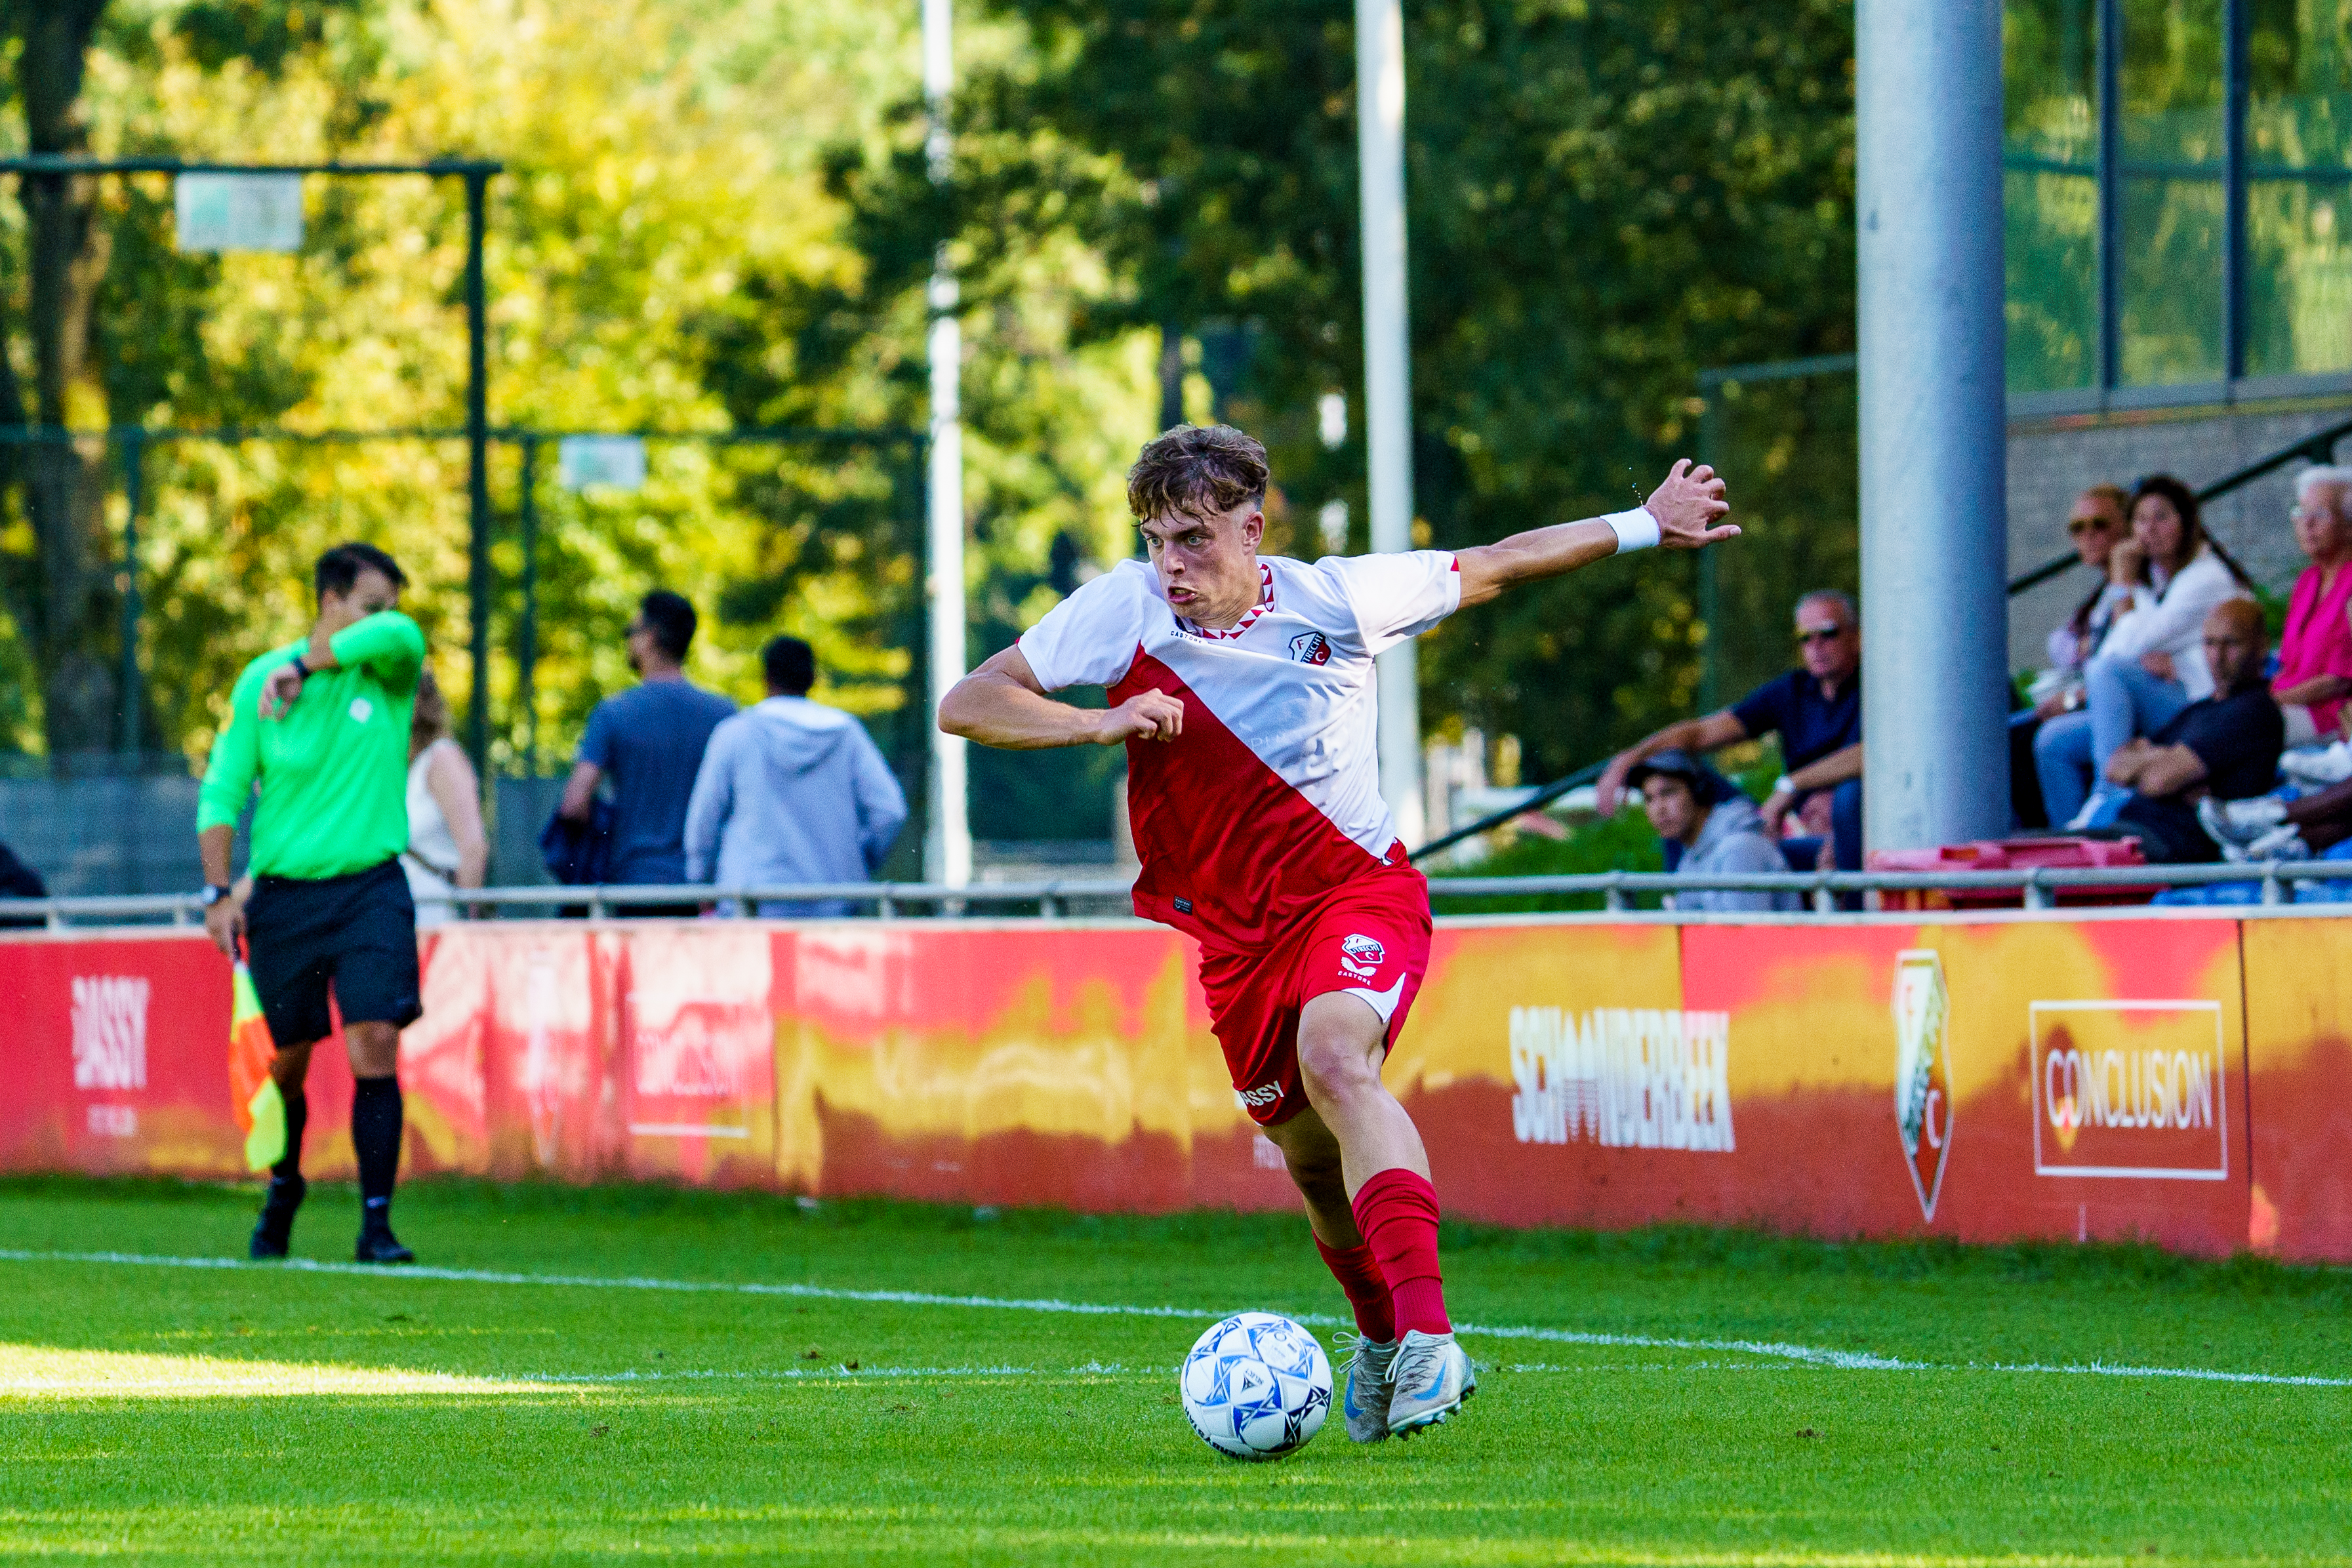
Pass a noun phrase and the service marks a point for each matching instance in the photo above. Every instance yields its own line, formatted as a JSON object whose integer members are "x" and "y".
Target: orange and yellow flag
{"x": 259, "y": 1109}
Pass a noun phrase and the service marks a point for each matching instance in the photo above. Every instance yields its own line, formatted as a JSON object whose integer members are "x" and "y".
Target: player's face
{"x": 371, "y": 593}
{"x": 1208, "y": 564}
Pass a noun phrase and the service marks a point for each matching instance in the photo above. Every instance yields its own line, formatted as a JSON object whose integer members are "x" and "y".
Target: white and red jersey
{"x": 1270, "y": 798}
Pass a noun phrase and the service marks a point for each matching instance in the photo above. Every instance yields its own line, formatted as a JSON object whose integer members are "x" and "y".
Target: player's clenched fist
{"x": 1147, "y": 715}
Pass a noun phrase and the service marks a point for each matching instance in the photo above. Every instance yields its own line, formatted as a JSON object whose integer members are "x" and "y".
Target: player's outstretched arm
{"x": 1686, "y": 508}
{"x": 1002, "y": 704}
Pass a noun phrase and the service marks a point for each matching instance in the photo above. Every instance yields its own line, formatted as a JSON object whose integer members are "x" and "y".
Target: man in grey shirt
{"x": 790, "y": 791}
{"x": 1708, "y": 829}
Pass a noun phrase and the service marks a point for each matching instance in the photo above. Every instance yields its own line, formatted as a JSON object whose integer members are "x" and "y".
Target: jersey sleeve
{"x": 1399, "y": 596}
{"x": 1090, "y": 638}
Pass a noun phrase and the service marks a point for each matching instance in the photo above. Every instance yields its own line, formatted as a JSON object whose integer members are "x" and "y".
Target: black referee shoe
{"x": 377, "y": 1244}
{"x": 276, "y": 1227}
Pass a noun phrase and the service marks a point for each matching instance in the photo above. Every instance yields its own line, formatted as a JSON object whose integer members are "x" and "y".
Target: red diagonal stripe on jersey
{"x": 1217, "y": 829}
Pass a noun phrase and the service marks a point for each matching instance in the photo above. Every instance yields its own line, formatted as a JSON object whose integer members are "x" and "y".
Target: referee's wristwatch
{"x": 212, "y": 894}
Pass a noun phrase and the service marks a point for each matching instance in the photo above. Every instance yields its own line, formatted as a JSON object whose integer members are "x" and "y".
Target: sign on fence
{"x": 237, "y": 212}
{"x": 616, "y": 462}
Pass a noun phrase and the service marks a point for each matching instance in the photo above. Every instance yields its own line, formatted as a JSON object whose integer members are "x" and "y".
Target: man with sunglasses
{"x": 1816, "y": 710}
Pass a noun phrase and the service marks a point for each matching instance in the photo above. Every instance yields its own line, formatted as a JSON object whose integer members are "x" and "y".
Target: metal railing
{"x": 2037, "y": 888}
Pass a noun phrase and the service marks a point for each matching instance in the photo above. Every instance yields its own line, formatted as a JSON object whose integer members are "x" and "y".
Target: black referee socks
{"x": 298, "y": 1112}
{"x": 375, "y": 1139}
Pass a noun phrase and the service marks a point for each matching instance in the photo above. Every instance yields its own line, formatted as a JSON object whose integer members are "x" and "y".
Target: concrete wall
{"x": 2051, "y": 462}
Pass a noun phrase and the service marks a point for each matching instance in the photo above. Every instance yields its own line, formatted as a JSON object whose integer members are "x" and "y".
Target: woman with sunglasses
{"x": 2151, "y": 663}
{"x": 2102, "y": 516}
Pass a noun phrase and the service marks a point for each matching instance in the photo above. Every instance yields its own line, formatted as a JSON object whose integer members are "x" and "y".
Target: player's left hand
{"x": 278, "y": 692}
{"x": 1687, "y": 506}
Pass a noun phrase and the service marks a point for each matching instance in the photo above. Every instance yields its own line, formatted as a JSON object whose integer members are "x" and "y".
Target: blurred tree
{"x": 1606, "y": 196}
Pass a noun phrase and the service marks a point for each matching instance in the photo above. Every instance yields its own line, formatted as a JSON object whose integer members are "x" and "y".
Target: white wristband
{"x": 1636, "y": 530}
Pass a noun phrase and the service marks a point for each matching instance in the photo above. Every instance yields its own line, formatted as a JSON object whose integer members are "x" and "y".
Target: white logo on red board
{"x": 1360, "y": 955}
{"x": 1624, "y": 1078}
{"x": 2131, "y": 1089}
{"x": 1922, "y": 1076}
{"x": 110, "y": 1032}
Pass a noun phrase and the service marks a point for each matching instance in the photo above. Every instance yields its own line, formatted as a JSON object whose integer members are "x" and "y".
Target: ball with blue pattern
{"x": 1256, "y": 1386}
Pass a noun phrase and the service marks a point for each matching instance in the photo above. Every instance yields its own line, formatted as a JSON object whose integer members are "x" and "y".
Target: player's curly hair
{"x": 1196, "y": 469}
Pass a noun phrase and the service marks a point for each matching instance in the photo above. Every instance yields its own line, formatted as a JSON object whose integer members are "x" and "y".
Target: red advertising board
{"x": 1985, "y": 1079}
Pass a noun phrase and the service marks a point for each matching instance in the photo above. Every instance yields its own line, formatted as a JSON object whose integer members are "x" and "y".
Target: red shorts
{"x": 1369, "y": 938}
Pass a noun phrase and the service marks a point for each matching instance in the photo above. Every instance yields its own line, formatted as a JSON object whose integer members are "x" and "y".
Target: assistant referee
{"x": 321, "y": 726}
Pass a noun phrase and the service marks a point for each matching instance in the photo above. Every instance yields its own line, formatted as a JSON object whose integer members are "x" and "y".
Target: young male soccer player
{"x": 323, "y": 726}
{"x": 1243, "y": 688}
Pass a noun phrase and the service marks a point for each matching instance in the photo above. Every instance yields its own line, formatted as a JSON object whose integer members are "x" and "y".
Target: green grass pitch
{"x": 1796, "y": 1403}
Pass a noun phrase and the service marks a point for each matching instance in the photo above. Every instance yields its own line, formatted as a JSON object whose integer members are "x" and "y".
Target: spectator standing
{"x": 2224, "y": 746}
{"x": 2152, "y": 663}
{"x": 321, "y": 726}
{"x": 2314, "y": 670}
{"x": 649, "y": 743}
{"x": 446, "y": 847}
{"x": 1709, "y": 828}
{"x": 790, "y": 791}
{"x": 1816, "y": 710}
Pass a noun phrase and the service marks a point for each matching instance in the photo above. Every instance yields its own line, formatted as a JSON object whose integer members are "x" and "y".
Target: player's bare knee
{"x": 374, "y": 1050}
{"x": 1335, "y": 1071}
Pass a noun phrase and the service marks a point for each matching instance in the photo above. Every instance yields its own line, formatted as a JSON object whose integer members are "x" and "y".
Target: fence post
{"x": 2273, "y": 891}
{"x": 1824, "y": 900}
{"x": 1614, "y": 898}
{"x": 526, "y": 652}
{"x": 134, "y": 439}
{"x": 2036, "y": 895}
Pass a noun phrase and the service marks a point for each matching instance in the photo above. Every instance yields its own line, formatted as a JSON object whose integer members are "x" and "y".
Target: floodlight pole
{"x": 947, "y": 848}
{"x": 1388, "y": 377}
{"x": 1934, "y": 441}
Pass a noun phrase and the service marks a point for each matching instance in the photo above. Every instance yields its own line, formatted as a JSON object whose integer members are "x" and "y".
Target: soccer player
{"x": 321, "y": 724}
{"x": 1243, "y": 688}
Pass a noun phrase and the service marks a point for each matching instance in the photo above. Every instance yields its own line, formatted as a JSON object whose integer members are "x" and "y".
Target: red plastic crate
{"x": 2052, "y": 853}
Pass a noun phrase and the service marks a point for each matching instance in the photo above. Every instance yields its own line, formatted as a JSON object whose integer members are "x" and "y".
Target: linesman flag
{"x": 260, "y": 1112}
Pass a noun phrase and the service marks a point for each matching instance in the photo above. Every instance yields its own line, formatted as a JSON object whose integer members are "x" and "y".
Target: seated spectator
{"x": 2225, "y": 747}
{"x": 2268, "y": 829}
{"x": 2151, "y": 664}
{"x": 1707, "y": 829}
{"x": 790, "y": 791}
{"x": 649, "y": 743}
{"x": 1817, "y": 713}
{"x": 2101, "y": 519}
{"x": 2315, "y": 667}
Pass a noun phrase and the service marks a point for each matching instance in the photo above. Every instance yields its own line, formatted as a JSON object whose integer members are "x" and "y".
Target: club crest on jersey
{"x": 1311, "y": 648}
{"x": 1360, "y": 955}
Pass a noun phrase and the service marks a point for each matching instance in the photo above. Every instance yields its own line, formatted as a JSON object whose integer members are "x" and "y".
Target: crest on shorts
{"x": 1311, "y": 648}
{"x": 1360, "y": 955}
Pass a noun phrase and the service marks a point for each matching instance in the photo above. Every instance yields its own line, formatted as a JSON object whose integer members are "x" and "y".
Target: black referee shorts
{"x": 355, "y": 933}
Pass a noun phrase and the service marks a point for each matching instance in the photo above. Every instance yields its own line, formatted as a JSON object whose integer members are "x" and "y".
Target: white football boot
{"x": 1430, "y": 1378}
{"x": 1365, "y": 1402}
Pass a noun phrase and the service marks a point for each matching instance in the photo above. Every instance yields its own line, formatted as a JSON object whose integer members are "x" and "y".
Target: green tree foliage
{"x": 1606, "y": 196}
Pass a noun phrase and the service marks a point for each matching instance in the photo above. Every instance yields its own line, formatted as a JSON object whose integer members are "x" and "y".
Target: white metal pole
{"x": 947, "y": 849}
{"x": 1934, "y": 443}
{"x": 1388, "y": 375}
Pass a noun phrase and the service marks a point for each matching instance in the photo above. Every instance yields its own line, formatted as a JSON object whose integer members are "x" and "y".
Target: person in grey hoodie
{"x": 1709, "y": 828}
{"x": 790, "y": 791}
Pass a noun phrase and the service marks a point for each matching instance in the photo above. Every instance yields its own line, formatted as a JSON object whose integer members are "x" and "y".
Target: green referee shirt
{"x": 333, "y": 768}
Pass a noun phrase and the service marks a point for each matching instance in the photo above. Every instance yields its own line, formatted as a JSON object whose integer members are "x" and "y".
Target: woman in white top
{"x": 2151, "y": 663}
{"x": 447, "y": 847}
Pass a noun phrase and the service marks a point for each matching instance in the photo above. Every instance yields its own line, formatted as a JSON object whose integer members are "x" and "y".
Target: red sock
{"x": 1358, "y": 1273}
{"x": 1397, "y": 1212}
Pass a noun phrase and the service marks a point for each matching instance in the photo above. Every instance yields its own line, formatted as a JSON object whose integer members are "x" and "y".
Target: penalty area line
{"x": 1775, "y": 1350}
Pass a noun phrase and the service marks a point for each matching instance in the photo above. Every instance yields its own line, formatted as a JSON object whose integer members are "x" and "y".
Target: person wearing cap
{"x": 1707, "y": 828}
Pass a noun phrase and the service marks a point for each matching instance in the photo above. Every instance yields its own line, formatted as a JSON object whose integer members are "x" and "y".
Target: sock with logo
{"x": 298, "y": 1112}
{"x": 1397, "y": 1212}
{"x": 375, "y": 1139}
{"x": 1358, "y": 1273}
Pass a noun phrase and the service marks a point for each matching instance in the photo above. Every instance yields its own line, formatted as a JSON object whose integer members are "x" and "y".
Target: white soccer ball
{"x": 1256, "y": 1386}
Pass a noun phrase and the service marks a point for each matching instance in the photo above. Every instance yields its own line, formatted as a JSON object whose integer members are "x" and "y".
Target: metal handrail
{"x": 2038, "y": 886}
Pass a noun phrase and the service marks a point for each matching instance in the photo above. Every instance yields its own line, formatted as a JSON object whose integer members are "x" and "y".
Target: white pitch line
{"x": 1809, "y": 1355}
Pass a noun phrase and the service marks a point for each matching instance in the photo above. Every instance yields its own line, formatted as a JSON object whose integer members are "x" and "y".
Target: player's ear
{"x": 1254, "y": 528}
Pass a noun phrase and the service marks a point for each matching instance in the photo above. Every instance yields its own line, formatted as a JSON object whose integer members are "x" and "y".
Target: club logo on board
{"x": 1923, "y": 1078}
